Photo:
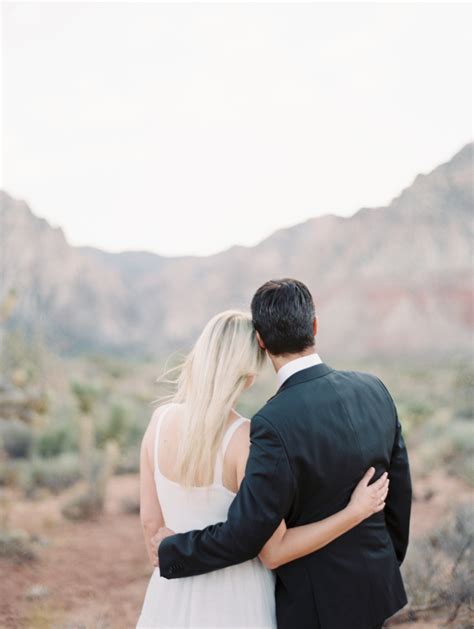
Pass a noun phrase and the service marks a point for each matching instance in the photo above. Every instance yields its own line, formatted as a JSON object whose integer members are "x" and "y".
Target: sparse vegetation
{"x": 129, "y": 462}
{"x": 57, "y": 437}
{"x": 16, "y": 546}
{"x": 16, "y": 438}
{"x": 131, "y": 504}
{"x": 90, "y": 503}
{"x": 97, "y": 411}
{"x": 55, "y": 474}
{"x": 439, "y": 570}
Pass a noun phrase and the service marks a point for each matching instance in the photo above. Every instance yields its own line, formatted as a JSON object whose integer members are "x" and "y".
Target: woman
{"x": 193, "y": 459}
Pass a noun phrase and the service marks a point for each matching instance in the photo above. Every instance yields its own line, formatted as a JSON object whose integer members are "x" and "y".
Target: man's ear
{"x": 259, "y": 341}
{"x": 315, "y": 326}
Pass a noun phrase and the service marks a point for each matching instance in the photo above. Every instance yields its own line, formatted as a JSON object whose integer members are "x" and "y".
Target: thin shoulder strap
{"x": 219, "y": 468}
{"x": 159, "y": 423}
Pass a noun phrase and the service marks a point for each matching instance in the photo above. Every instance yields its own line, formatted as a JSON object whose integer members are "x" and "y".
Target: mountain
{"x": 390, "y": 281}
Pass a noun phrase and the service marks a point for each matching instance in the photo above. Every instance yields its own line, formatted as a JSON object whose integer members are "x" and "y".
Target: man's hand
{"x": 156, "y": 541}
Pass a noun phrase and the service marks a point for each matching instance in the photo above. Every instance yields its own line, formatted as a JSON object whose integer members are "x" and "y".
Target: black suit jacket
{"x": 310, "y": 445}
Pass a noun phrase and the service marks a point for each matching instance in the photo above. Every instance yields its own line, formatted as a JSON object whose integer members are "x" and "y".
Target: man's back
{"x": 333, "y": 426}
{"x": 301, "y": 469}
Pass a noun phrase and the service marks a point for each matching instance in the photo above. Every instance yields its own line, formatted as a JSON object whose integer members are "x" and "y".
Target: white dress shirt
{"x": 297, "y": 365}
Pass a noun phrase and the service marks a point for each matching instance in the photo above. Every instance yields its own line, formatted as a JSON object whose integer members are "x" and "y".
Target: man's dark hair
{"x": 283, "y": 314}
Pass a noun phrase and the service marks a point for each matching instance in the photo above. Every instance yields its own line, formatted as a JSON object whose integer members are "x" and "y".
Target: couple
{"x": 287, "y": 520}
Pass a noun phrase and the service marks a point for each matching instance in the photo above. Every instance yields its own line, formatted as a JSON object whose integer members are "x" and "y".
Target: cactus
{"x": 95, "y": 471}
{"x": 5, "y": 507}
{"x": 86, "y": 446}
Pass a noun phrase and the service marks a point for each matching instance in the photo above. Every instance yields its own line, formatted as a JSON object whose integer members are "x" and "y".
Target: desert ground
{"x": 93, "y": 575}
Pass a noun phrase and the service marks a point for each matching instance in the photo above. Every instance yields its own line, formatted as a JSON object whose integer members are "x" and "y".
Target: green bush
{"x": 84, "y": 506}
{"x": 111, "y": 366}
{"x": 438, "y": 568}
{"x": 129, "y": 462}
{"x": 459, "y": 452}
{"x": 131, "y": 505}
{"x": 414, "y": 413}
{"x": 114, "y": 427}
{"x": 57, "y": 438}
{"x": 16, "y": 438}
{"x": 86, "y": 396}
{"x": 55, "y": 474}
{"x": 13, "y": 472}
{"x": 136, "y": 429}
{"x": 90, "y": 502}
{"x": 463, "y": 392}
{"x": 16, "y": 546}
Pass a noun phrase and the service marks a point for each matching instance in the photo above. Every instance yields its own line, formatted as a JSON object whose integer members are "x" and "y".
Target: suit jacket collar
{"x": 310, "y": 373}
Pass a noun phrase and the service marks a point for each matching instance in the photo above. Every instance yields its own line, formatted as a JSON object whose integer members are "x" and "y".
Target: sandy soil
{"x": 96, "y": 573}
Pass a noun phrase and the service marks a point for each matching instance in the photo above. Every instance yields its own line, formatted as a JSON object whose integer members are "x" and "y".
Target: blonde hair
{"x": 211, "y": 379}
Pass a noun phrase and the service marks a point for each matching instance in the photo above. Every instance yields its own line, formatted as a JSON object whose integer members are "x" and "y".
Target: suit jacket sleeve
{"x": 399, "y": 499}
{"x": 265, "y": 496}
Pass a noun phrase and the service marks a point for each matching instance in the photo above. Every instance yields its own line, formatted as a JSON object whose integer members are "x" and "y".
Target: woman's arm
{"x": 150, "y": 511}
{"x": 289, "y": 544}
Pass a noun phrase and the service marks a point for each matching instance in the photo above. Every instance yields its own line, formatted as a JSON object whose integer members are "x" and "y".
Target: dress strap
{"x": 229, "y": 433}
{"x": 159, "y": 423}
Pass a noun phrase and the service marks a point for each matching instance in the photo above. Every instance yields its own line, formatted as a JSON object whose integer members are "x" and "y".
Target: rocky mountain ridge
{"x": 393, "y": 281}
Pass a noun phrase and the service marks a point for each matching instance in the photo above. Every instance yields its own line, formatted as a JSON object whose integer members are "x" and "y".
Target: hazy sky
{"x": 186, "y": 128}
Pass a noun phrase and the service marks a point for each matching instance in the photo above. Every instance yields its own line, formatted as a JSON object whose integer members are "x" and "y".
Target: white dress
{"x": 241, "y": 596}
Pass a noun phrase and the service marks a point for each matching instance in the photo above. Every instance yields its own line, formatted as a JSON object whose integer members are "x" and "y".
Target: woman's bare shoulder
{"x": 236, "y": 456}
{"x": 244, "y": 426}
{"x": 148, "y": 437}
{"x": 241, "y": 437}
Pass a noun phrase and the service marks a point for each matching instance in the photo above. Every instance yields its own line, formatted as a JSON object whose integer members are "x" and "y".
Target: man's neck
{"x": 279, "y": 361}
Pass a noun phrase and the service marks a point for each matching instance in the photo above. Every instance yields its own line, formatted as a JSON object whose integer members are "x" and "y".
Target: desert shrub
{"x": 113, "y": 427}
{"x": 55, "y": 474}
{"x": 86, "y": 396}
{"x": 131, "y": 504}
{"x": 16, "y": 546}
{"x": 56, "y": 438}
{"x": 6, "y": 478}
{"x": 459, "y": 453}
{"x": 463, "y": 392}
{"x": 16, "y": 438}
{"x": 422, "y": 573}
{"x": 124, "y": 421}
{"x": 439, "y": 570}
{"x": 456, "y": 542}
{"x": 136, "y": 430}
{"x": 22, "y": 351}
{"x": 13, "y": 472}
{"x": 447, "y": 443}
{"x": 111, "y": 366}
{"x": 90, "y": 503}
{"x": 84, "y": 506}
{"x": 456, "y": 448}
{"x": 413, "y": 413}
{"x": 129, "y": 461}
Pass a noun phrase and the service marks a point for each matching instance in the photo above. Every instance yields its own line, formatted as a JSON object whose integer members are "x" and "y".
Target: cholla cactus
{"x": 86, "y": 446}
{"x": 106, "y": 471}
{"x": 7, "y": 305}
{"x": 96, "y": 470}
{"x": 5, "y": 507}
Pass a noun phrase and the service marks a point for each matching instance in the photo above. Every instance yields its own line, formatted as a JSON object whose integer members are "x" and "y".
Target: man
{"x": 310, "y": 445}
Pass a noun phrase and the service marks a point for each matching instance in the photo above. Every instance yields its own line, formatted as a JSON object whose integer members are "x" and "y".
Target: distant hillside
{"x": 387, "y": 281}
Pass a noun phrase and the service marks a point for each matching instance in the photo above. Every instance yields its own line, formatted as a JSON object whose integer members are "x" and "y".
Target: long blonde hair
{"x": 211, "y": 379}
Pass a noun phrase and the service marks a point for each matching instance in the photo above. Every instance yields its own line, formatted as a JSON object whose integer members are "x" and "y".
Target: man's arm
{"x": 263, "y": 500}
{"x": 398, "y": 503}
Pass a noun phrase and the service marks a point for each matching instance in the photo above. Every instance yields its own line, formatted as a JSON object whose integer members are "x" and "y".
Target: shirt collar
{"x": 297, "y": 365}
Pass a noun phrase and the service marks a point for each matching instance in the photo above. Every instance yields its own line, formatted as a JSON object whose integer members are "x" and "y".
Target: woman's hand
{"x": 156, "y": 541}
{"x": 369, "y": 499}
